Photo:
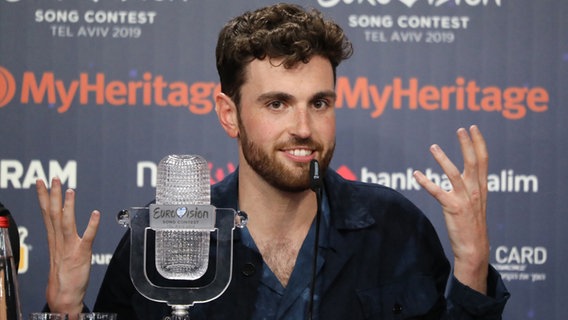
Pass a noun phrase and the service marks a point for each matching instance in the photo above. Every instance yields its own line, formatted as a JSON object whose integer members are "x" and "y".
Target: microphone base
{"x": 179, "y": 312}
{"x": 181, "y": 296}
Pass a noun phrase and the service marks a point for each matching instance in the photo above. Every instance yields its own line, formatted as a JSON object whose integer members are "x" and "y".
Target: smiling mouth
{"x": 300, "y": 152}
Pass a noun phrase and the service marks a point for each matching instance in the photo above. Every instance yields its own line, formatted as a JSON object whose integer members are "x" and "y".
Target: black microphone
{"x": 315, "y": 178}
{"x": 315, "y": 185}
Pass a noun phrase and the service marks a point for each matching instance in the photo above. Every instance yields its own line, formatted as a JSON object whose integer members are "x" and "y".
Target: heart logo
{"x": 408, "y": 3}
{"x": 181, "y": 211}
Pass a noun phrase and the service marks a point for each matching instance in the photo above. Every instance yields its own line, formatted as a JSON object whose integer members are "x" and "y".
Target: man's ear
{"x": 227, "y": 114}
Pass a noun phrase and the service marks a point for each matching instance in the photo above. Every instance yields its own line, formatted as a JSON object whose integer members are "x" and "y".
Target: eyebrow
{"x": 277, "y": 95}
{"x": 329, "y": 94}
{"x": 274, "y": 95}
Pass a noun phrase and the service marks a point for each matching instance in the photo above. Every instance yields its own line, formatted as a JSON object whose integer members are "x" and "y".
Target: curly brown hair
{"x": 282, "y": 31}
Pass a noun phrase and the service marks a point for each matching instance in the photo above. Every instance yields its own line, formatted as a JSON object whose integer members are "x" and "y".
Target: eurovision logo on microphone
{"x": 182, "y": 216}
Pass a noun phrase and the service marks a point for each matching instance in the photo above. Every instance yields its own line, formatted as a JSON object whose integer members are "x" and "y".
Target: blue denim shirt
{"x": 291, "y": 302}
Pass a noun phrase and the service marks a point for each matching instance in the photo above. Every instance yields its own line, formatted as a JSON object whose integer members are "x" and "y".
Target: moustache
{"x": 300, "y": 142}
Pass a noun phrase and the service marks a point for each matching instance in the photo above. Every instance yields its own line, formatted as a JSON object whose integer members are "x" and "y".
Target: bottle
{"x": 10, "y": 308}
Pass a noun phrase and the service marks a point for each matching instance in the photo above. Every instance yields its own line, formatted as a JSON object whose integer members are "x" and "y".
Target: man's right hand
{"x": 69, "y": 254}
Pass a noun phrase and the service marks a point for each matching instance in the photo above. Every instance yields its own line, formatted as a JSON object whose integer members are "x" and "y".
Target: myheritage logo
{"x": 86, "y": 89}
{"x": 7, "y": 87}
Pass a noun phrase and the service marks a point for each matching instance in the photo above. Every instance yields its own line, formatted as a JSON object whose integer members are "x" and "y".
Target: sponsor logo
{"x": 95, "y": 16}
{"x": 464, "y": 95}
{"x": 178, "y": 217}
{"x": 150, "y": 90}
{"x": 346, "y": 173}
{"x": 512, "y": 103}
{"x": 410, "y": 3}
{"x": 96, "y": 1}
{"x": 15, "y": 174}
{"x": 24, "y": 251}
{"x": 421, "y": 27}
{"x": 520, "y": 263}
{"x": 506, "y": 180}
{"x": 219, "y": 173}
{"x": 101, "y": 259}
{"x": 7, "y": 87}
{"x": 95, "y": 23}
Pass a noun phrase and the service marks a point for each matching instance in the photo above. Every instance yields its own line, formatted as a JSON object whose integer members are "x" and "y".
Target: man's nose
{"x": 302, "y": 122}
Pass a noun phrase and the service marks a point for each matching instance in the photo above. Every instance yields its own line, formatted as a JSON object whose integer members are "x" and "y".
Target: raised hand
{"x": 464, "y": 207}
{"x": 69, "y": 254}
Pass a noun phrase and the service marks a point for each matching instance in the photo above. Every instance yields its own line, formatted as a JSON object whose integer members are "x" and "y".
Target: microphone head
{"x": 182, "y": 254}
{"x": 183, "y": 179}
{"x": 315, "y": 176}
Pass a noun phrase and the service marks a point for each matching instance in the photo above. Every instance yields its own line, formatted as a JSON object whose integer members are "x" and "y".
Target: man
{"x": 379, "y": 256}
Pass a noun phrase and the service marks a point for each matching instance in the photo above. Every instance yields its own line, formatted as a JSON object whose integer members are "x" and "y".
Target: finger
{"x": 55, "y": 215}
{"x": 68, "y": 225}
{"x": 468, "y": 151}
{"x": 482, "y": 155}
{"x": 480, "y": 149}
{"x": 449, "y": 168}
{"x": 433, "y": 189}
{"x": 43, "y": 198}
{"x": 55, "y": 203}
{"x": 470, "y": 163}
{"x": 91, "y": 230}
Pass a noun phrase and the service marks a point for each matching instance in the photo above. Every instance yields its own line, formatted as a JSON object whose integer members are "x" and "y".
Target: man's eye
{"x": 275, "y": 105}
{"x": 321, "y": 104}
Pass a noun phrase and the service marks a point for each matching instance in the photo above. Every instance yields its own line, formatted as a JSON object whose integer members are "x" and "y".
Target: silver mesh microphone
{"x": 182, "y": 180}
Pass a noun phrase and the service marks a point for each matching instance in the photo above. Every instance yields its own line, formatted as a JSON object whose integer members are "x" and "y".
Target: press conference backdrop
{"x": 98, "y": 91}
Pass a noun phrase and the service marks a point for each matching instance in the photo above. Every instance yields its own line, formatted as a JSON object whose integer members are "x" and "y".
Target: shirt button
{"x": 248, "y": 269}
{"x": 397, "y": 309}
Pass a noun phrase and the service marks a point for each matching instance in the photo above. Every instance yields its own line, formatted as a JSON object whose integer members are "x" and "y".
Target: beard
{"x": 278, "y": 174}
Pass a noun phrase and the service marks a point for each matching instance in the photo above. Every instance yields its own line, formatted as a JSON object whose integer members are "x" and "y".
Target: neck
{"x": 269, "y": 209}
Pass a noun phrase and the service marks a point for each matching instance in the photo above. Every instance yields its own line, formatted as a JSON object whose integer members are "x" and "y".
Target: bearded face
{"x": 284, "y": 176}
{"x": 285, "y": 119}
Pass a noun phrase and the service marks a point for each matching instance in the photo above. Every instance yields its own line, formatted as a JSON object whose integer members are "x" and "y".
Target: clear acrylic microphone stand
{"x": 180, "y": 299}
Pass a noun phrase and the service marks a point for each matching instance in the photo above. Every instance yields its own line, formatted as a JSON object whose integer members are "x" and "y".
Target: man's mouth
{"x": 300, "y": 152}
